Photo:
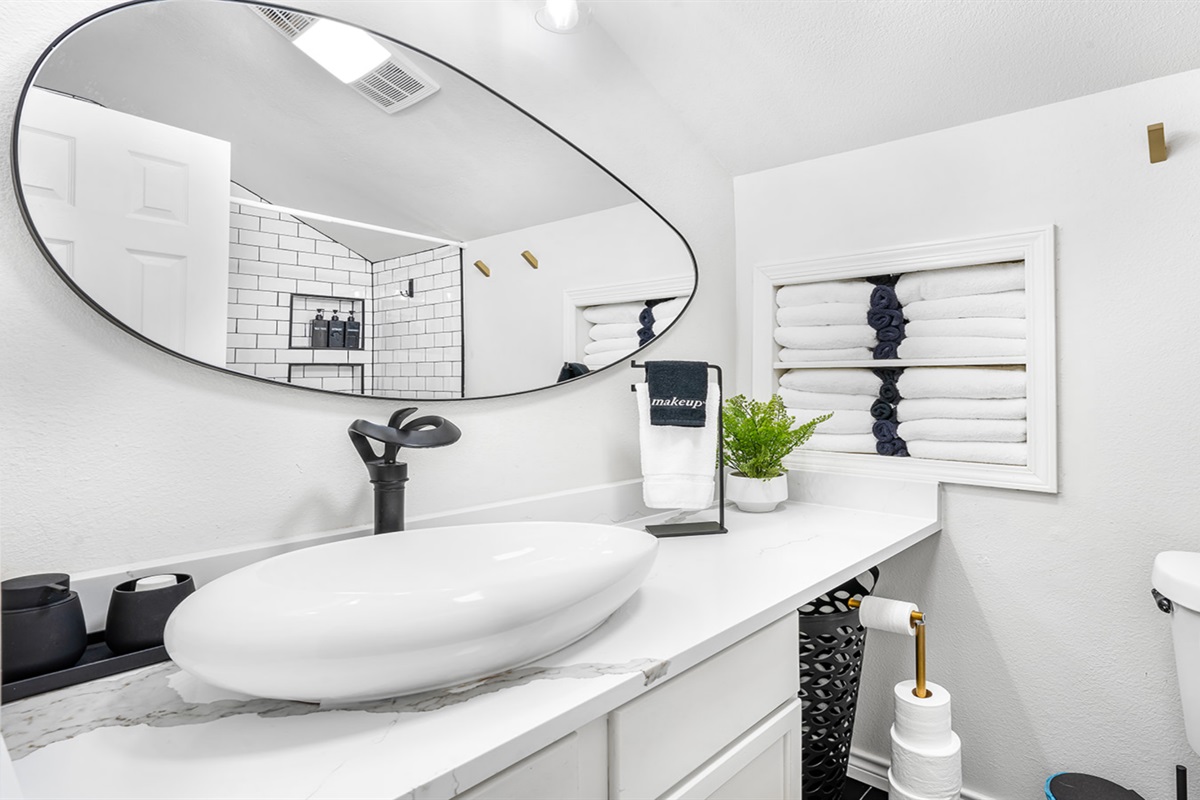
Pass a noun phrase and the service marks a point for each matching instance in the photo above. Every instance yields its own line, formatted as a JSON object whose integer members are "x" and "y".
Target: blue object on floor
{"x": 1077, "y": 786}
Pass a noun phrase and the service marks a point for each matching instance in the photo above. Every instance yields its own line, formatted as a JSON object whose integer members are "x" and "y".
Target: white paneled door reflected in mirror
{"x": 294, "y": 199}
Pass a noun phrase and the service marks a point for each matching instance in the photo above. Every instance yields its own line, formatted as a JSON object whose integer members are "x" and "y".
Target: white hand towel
{"x": 986, "y": 327}
{"x": 614, "y": 312}
{"x": 975, "y": 382}
{"x": 836, "y": 381}
{"x": 823, "y": 314}
{"x": 1002, "y": 304}
{"x": 804, "y": 294}
{"x": 982, "y": 452}
{"x": 842, "y": 421}
{"x": 936, "y": 284}
{"x": 669, "y": 308}
{"x": 958, "y": 408}
{"x": 960, "y": 347}
{"x": 962, "y": 430}
{"x": 628, "y": 344}
{"x": 841, "y": 443}
{"x": 830, "y": 401}
{"x": 660, "y": 325}
{"x": 598, "y": 360}
{"x": 613, "y": 330}
{"x": 826, "y": 337}
{"x": 678, "y": 464}
{"x": 839, "y": 354}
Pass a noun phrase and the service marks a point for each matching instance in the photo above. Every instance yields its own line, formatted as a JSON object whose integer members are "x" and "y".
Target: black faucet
{"x": 387, "y": 475}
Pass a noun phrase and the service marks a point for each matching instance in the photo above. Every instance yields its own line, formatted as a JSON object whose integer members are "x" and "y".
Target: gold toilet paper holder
{"x": 917, "y": 622}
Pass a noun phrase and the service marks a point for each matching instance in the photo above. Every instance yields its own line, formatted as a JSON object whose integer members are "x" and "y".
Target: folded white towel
{"x": 678, "y": 464}
{"x": 841, "y": 442}
{"x": 613, "y": 330}
{"x": 958, "y": 408}
{"x": 823, "y": 314}
{"x": 975, "y": 382}
{"x": 598, "y": 360}
{"x": 830, "y": 401}
{"x": 1001, "y": 304}
{"x": 935, "y": 284}
{"x": 842, "y": 421}
{"x": 628, "y": 345}
{"x": 660, "y": 325}
{"x": 988, "y": 327}
{"x": 614, "y": 312}
{"x": 959, "y": 347}
{"x": 962, "y": 430}
{"x": 835, "y": 381}
{"x": 669, "y": 308}
{"x": 982, "y": 452}
{"x": 839, "y": 354}
{"x": 803, "y": 294}
{"x": 826, "y": 337}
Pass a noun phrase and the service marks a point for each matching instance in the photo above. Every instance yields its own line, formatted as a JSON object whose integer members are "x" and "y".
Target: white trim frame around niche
{"x": 575, "y": 300}
{"x": 1035, "y": 246}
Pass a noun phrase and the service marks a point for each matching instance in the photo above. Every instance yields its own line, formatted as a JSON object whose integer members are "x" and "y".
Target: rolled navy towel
{"x": 884, "y": 430}
{"x": 890, "y": 392}
{"x": 644, "y": 336}
{"x": 880, "y": 318}
{"x": 646, "y": 317}
{"x": 882, "y": 409}
{"x": 884, "y": 297}
{"x": 885, "y": 350}
{"x": 892, "y": 447}
{"x": 890, "y": 375}
{"x": 883, "y": 280}
{"x": 892, "y": 333}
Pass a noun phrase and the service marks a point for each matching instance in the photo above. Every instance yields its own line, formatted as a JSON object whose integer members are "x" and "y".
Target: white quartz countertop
{"x": 158, "y": 733}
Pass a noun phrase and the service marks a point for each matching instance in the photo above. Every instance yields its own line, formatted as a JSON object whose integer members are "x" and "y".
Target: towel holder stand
{"x": 708, "y": 526}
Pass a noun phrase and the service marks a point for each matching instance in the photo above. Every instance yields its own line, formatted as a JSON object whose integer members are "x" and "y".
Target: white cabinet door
{"x": 573, "y": 768}
{"x": 764, "y": 764}
{"x": 137, "y": 213}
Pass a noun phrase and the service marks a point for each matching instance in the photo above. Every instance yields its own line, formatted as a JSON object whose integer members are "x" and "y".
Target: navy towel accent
{"x": 882, "y": 409}
{"x": 653, "y": 303}
{"x": 889, "y": 376}
{"x": 889, "y": 393}
{"x": 572, "y": 369}
{"x": 883, "y": 280}
{"x": 884, "y": 430}
{"x": 892, "y": 333}
{"x": 880, "y": 318}
{"x": 646, "y": 317}
{"x": 884, "y": 297}
{"x": 892, "y": 447}
{"x": 678, "y": 392}
{"x": 886, "y": 350}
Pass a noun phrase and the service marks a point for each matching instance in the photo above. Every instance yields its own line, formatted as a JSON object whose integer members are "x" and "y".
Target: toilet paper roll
{"x": 893, "y": 616}
{"x": 897, "y": 792}
{"x": 927, "y": 772}
{"x": 922, "y": 723}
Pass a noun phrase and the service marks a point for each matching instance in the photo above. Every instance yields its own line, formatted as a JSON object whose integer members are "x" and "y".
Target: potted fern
{"x": 757, "y": 437}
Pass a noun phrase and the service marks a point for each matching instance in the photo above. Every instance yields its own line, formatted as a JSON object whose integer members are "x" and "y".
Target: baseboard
{"x": 609, "y": 503}
{"x": 872, "y": 770}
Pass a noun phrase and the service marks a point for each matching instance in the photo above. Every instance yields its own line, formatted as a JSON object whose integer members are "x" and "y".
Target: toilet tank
{"x": 1176, "y": 576}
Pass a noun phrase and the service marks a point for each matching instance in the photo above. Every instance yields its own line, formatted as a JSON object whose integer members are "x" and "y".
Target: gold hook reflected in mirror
{"x": 528, "y": 256}
{"x": 1158, "y": 142}
{"x": 482, "y": 267}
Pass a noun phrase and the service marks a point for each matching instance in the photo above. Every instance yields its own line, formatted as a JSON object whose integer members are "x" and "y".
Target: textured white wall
{"x": 1041, "y": 621}
{"x": 114, "y": 452}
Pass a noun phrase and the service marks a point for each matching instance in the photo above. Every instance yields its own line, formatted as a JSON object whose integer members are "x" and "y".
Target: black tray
{"x": 97, "y": 661}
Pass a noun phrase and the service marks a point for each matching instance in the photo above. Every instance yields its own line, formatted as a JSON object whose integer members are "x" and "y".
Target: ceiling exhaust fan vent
{"x": 290, "y": 23}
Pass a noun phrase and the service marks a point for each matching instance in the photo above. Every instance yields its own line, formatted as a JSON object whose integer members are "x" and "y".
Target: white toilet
{"x": 1176, "y": 578}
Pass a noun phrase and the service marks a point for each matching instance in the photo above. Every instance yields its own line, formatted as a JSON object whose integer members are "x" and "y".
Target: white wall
{"x": 513, "y": 320}
{"x": 1041, "y": 620}
{"x": 114, "y": 452}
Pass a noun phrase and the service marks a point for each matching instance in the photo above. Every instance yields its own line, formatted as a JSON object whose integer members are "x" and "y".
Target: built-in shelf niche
{"x": 1035, "y": 247}
{"x": 303, "y": 310}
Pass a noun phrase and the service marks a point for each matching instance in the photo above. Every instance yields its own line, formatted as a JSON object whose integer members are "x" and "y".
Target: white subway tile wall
{"x": 418, "y": 340}
{"x": 330, "y": 377}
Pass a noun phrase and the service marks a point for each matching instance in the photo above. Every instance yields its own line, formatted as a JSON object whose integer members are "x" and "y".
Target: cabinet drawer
{"x": 661, "y": 737}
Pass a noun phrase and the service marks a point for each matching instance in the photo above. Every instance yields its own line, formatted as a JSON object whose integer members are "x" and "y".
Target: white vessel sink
{"x": 403, "y": 612}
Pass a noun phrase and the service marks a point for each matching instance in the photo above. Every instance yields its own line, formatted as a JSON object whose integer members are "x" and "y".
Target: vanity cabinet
{"x": 729, "y": 727}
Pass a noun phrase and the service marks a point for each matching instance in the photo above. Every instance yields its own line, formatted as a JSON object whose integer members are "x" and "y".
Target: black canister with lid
{"x": 41, "y": 625}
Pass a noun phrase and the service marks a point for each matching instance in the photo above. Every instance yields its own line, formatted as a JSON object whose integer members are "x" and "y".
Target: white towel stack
{"x": 964, "y": 312}
{"x": 848, "y": 393}
{"x": 964, "y": 413}
{"x": 613, "y": 332}
{"x": 824, "y": 321}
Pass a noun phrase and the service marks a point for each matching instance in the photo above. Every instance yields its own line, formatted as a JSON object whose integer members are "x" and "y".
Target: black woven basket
{"x": 831, "y": 652}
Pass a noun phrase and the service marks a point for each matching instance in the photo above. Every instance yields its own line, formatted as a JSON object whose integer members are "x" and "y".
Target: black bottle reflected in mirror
{"x": 337, "y": 331}
{"x": 320, "y": 330}
{"x": 353, "y": 332}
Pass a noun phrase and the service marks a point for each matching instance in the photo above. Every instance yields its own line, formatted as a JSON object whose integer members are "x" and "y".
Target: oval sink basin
{"x": 404, "y": 612}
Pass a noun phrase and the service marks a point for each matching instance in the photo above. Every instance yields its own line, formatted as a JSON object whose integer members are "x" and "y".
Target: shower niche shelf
{"x": 303, "y": 309}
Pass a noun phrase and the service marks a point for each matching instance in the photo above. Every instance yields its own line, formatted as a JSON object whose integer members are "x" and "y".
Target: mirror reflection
{"x": 303, "y": 201}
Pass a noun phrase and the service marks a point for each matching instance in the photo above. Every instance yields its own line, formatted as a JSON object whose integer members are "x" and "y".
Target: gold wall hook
{"x": 528, "y": 256}
{"x": 1158, "y": 142}
{"x": 482, "y": 267}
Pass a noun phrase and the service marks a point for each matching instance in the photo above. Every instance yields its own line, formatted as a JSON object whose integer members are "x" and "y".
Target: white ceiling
{"x": 763, "y": 83}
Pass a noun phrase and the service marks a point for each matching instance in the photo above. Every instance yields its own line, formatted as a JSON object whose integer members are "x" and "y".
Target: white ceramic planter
{"x": 756, "y": 494}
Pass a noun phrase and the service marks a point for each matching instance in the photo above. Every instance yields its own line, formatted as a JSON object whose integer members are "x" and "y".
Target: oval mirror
{"x": 290, "y": 198}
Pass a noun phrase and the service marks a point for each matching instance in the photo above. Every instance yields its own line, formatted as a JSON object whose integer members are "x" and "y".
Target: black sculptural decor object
{"x": 388, "y": 476}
